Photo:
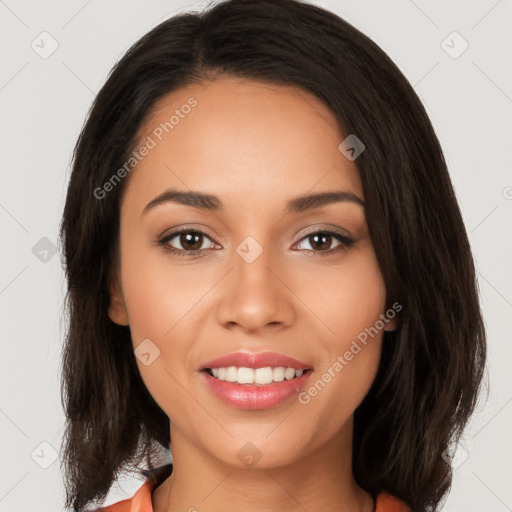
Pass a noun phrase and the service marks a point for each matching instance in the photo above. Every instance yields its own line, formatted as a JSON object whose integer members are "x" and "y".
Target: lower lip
{"x": 251, "y": 396}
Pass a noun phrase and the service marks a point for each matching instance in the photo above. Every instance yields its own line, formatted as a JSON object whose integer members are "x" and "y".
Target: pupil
{"x": 324, "y": 245}
{"x": 186, "y": 240}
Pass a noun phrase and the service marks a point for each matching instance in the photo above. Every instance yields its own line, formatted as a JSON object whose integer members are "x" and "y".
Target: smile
{"x": 266, "y": 394}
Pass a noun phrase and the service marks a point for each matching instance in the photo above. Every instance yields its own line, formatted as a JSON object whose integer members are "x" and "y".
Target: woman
{"x": 268, "y": 274}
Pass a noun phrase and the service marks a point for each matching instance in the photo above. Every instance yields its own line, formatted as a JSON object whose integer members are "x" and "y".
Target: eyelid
{"x": 322, "y": 229}
{"x": 200, "y": 228}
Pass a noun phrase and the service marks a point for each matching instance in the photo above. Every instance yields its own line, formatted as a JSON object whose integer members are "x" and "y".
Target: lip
{"x": 251, "y": 396}
{"x": 261, "y": 360}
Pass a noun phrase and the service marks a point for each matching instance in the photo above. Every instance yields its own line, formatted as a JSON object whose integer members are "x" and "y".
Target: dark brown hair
{"x": 431, "y": 367}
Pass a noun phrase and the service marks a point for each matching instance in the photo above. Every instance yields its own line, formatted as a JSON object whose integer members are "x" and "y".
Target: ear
{"x": 117, "y": 309}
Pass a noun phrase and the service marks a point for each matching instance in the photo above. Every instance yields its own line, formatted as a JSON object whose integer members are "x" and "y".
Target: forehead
{"x": 241, "y": 140}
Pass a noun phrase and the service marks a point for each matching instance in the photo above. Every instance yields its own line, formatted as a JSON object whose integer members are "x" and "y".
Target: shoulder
{"x": 388, "y": 503}
{"x": 139, "y": 502}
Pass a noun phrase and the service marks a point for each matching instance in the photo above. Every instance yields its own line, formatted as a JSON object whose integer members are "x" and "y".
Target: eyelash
{"x": 345, "y": 241}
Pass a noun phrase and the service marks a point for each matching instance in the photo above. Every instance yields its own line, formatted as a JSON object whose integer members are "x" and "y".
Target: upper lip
{"x": 261, "y": 360}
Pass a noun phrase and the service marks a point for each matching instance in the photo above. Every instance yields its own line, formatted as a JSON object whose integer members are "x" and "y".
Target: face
{"x": 249, "y": 274}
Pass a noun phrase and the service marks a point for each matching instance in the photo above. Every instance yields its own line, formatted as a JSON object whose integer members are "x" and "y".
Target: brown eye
{"x": 321, "y": 242}
{"x": 191, "y": 240}
{"x": 186, "y": 242}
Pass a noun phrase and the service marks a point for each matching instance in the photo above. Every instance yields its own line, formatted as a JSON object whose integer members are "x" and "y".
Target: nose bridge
{"x": 252, "y": 273}
{"x": 252, "y": 263}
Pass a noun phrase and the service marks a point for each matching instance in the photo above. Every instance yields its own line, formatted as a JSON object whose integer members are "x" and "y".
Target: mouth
{"x": 238, "y": 388}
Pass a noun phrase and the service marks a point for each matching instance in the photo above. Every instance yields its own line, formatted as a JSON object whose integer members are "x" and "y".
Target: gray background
{"x": 43, "y": 104}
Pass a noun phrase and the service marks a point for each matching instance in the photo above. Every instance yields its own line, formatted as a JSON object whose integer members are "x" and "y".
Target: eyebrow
{"x": 212, "y": 203}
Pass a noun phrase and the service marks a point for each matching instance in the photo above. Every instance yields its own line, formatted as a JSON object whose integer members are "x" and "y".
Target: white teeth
{"x": 278, "y": 374}
{"x": 289, "y": 373}
{"x": 258, "y": 376}
{"x": 245, "y": 376}
{"x": 266, "y": 375}
{"x": 231, "y": 374}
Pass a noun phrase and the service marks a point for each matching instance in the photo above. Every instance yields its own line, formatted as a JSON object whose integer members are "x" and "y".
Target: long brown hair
{"x": 432, "y": 365}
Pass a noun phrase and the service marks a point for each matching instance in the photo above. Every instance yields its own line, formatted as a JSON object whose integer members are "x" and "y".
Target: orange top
{"x": 141, "y": 500}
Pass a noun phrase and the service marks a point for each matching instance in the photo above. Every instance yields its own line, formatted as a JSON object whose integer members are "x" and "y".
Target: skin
{"x": 255, "y": 146}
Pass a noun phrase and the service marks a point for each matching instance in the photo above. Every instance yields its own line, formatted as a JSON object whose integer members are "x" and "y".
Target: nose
{"x": 255, "y": 295}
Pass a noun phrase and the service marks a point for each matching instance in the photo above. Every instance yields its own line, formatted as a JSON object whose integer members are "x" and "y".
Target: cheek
{"x": 348, "y": 297}
{"x": 161, "y": 297}
{"x": 351, "y": 303}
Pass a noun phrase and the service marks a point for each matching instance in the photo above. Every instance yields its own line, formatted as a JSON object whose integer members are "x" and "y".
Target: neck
{"x": 313, "y": 482}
